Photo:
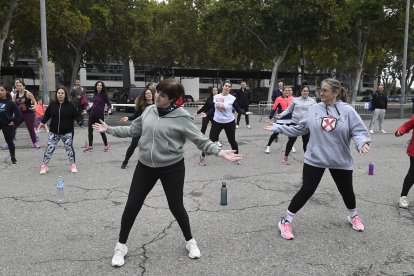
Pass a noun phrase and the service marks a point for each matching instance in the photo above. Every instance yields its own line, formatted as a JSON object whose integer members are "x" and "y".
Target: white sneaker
{"x": 293, "y": 150}
{"x": 267, "y": 149}
{"x": 120, "y": 251}
{"x": 248, "y": 126}
{"x": 403, "y": 202}
{"x": 237, "y": 126}
{"x": 383, "y": 131}
{"x": 193, "y": 251}
{"x": 371, "y": 131}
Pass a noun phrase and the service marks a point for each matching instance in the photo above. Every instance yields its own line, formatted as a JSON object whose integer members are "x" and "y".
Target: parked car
{"x": 188, "y": 99}
{"x": 259, "y": 94}
{"x": 366, "y": 99}
{"x": 127, "y": 96}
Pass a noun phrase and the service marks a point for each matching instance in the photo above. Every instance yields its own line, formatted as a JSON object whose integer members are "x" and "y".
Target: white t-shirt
{"x": 226, "y": 115}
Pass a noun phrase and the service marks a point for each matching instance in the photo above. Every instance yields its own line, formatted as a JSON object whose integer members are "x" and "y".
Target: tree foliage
{"x": 347, "y": 38}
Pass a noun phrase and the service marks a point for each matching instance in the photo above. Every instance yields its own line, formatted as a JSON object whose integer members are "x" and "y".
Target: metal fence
{"x": 263, "y": 108}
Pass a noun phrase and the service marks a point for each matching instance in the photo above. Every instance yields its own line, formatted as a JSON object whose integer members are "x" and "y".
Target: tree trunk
{"x": 277, "y": 60}
{"x": 75, "y": 68}
{"x": 6, "y": 27}
{"x": 358, "y": 76}
{"x": 361, "y": 51}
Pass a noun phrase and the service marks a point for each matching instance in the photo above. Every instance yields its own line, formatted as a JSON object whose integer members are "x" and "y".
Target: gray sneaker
{"x": 202, "y": 161}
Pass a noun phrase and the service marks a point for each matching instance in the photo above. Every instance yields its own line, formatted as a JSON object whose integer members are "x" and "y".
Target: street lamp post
{"x": 43, "y": 35}
{"x": 404, "y": 67}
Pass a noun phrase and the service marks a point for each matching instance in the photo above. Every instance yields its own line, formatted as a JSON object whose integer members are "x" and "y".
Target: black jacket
{"x": 62, "y": 116}
{"x": 209, "y": 104}
{"x": 9, "y": 111}
{"x": 379, "y": 101}
{"x": 243, "y": 97}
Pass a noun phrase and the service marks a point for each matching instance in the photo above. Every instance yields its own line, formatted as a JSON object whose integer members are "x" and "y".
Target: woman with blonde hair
{"x": 331, "y": 124}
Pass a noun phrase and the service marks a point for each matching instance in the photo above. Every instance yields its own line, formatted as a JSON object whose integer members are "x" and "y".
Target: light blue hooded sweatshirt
{"x": 331, "y": 129}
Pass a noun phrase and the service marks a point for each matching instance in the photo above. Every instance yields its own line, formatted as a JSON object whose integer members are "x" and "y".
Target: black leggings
{"x": 95, "y": 118}
{"x": 8, "y": 133}
{"x": 409, "y": 179}
{"x": 144, "y": 179}
{"x": 292, "y": 140}
{"x": 131, "y": 148}
{"x": 272, "y": 138}
{"x": 311, "y": 178}
{"x": 204, "y": 124}
{"x": 229, "y": 128}
{"x": 246, "y": 109}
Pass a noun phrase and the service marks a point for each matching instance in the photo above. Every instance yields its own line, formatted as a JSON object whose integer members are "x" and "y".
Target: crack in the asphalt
{"x": 158, "y": 237}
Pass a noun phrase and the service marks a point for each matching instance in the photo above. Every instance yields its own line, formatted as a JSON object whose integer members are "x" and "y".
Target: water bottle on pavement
{"x": 223, "y": 193}
{"x": 60, "y": 185}
{"x": 371, "y": 168}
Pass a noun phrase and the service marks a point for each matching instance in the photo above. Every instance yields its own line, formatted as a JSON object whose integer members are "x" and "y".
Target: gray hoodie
{"x": 163, "y": 138}
{"x": 331, "y": 128}
{"x": 299, "y": 107}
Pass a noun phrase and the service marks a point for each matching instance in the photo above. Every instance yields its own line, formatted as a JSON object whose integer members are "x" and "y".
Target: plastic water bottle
{"x": 371, "y": 168}
{"x": 60, "y": 185}
{"x": 223, "y": 193}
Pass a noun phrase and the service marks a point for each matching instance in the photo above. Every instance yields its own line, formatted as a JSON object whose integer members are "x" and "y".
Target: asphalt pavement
{"x": 41, "y": 237}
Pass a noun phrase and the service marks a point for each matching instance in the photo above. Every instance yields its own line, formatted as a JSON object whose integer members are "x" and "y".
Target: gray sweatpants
{"x": 378, "y": 114}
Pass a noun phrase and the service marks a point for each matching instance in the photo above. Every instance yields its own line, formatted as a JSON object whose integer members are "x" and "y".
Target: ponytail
{"x": 337, "y": 87}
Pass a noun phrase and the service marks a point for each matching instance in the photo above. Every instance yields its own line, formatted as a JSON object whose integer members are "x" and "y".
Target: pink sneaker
{"x": 285, "y": 229}
{"x": 36, "y": 145}
{"x": 285, "y": 160}
{"x": 73, "y": 168}
{"x": 356, "y": 223}
{"x": 43, "y": 169}
{"x": 106, "y": 148}
{"x": 88, "y": 149}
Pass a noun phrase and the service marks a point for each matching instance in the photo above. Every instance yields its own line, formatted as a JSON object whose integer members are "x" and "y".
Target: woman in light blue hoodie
{"x": 331, "y": 124}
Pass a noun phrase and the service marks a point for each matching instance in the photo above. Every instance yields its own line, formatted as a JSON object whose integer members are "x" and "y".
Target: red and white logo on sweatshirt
{"x": 328, "y": 123}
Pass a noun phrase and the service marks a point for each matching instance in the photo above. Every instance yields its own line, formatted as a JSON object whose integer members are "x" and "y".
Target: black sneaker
{"x": 13, "y": 159}
{"x": 124, "y": 165}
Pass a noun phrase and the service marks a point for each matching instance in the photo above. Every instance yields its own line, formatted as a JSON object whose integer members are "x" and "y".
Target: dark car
{"x": 259, "y": 94}
{"x": 188, "y": 99}
{"x": 366, "y": 99}
{"x": 128, "y": 96}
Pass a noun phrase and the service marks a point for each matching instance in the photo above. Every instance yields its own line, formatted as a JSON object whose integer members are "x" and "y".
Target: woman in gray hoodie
{"x": 331, "y": 124}
{"x": 164, "y": 128}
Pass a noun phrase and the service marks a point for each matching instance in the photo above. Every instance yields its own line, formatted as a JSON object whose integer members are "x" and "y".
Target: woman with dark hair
{"x": 223, "y": 118}
{"x": 61, "y": 113}
{"x": 164, "y": 128}
{"x": 331, "y": 124}
{"x": 27, "y": 104}
{"x": 298, "y": 108}
{"x": 97, "y": 113}
{"x": 141, "y": 102}
{"x": 209, "y": 104}
{"x": 9, "y": 115}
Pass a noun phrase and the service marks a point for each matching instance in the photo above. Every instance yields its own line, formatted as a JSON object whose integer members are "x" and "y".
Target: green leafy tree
{"x": 6, "y": 15}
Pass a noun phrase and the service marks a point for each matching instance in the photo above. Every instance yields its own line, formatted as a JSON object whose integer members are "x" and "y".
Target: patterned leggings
{"x": 52, "y": 142}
